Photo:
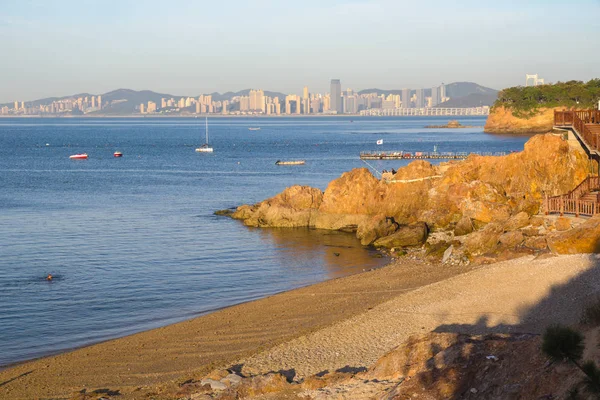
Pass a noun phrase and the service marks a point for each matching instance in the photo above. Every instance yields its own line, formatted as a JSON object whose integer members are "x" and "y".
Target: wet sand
{"x": 192, "y": 348}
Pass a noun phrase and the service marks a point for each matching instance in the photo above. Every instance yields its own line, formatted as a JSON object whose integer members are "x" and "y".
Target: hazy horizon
{"x": 59, "y": 49}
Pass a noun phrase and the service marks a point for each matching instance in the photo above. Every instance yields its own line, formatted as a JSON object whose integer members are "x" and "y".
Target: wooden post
{"x": 562, "y": 205}
{"x": 546, "y": 205}
{"x": 577, "y": 208}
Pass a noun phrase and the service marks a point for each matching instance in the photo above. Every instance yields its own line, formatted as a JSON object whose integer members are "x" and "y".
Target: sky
{"x": 63, "y": 47}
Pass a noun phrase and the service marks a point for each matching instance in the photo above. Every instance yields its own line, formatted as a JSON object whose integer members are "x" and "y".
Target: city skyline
{"x": 199, "y": 47}
{"x": 256, "y": 102}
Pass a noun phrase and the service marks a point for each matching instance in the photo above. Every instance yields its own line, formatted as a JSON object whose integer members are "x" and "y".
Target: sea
{"x": 133, "y": 244}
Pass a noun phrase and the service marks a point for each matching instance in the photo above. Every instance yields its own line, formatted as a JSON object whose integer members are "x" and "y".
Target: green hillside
{"x": 525, "y": 101}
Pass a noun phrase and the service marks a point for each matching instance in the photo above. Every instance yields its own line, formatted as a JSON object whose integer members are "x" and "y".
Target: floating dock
{"x": 421, "y": 155}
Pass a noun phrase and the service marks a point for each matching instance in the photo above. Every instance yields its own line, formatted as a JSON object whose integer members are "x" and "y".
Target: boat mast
{"x": 206, "y": 127}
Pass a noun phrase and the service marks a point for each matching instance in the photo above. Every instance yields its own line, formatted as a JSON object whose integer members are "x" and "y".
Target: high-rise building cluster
{"x": 83, "y": 105}
{"x": 201, "y": 105}
{"x": 257, "y": 102}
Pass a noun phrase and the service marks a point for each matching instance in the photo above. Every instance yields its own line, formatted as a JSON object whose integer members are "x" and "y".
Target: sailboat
{"x": 205, "y": 148}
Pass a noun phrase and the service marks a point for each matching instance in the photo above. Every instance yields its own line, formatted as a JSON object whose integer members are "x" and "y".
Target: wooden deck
{"x": 585, "y": 198}
{"x": 584, "y": 124}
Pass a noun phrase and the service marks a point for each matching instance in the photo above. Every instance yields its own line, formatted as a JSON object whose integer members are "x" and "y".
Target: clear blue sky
{"x": 55, "y": 48}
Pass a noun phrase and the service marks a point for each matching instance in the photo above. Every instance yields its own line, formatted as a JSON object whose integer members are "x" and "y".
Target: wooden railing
{"x": 571, "y": 202}
{"x": 578, "y": 120}
{"x": 569, "y": 206}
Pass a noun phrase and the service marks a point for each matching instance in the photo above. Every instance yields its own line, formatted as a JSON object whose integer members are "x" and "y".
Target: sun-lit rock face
{"x": 502, "y": 120}
{"x": 483, "y": 189}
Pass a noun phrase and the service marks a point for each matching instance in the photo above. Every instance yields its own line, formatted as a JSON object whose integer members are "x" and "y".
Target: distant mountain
{"x": 47, "y": 100}
{"x": 470, "y": 100}
{"x": 385, "y": 92}
{"x": 462, "y": 89}
{"x": 124, "y": 101}
{"x": 228, "y": 95}
{"x": 462, "y": 94}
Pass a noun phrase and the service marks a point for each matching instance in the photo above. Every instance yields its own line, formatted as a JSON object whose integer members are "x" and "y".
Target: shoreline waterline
{"x": 217, "y": 339}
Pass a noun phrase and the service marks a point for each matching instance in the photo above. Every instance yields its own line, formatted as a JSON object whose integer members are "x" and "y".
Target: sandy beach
{"x": 192, "y": 348}
{"x": 348, "y": 321}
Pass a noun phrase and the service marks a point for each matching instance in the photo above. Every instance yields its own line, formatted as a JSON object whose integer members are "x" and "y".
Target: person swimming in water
{"x": 49, "y": 277}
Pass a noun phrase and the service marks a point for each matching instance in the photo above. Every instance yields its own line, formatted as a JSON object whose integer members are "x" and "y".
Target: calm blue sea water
{"x": 133, "y": 242}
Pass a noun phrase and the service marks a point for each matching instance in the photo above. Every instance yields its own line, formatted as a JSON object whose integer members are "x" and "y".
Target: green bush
{"x": 524, "y": 101}
{"x": 591, "y": 314}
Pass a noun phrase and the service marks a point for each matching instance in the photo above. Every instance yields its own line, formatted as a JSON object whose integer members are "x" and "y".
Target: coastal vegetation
{"x": 525, "y": 102}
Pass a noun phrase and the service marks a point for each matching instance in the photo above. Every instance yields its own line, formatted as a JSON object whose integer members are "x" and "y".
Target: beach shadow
{"x": 107, "y": 392}
{"x": 289, "y": 374}
{"x": 236, "y": 369}
{"x": 15, "y": 378}
{"x": 351, "y": 370}
{"x": 454, "y": 369}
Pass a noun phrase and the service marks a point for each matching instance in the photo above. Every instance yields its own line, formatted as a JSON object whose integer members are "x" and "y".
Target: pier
{"x": 422, "y": 155}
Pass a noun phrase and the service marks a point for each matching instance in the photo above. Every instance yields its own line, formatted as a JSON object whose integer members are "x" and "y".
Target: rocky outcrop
{"x": 294, "y": 207}
{"x": 376, "y": 227}
{"x": 502, "y": 120}
{"x": 407, "y": 235}
{"x": 584, "y": 238}
{"x": 428, "y": 366}
{"x": 461, "y": 196}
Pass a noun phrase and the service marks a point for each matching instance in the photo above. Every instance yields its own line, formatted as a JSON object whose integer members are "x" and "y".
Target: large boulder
{"x": 376, "y": 227}
{"x": 410, "y": 357}
{"x": 584, "y": 238}
{"x": 517, "y": 221}
{"x": 262, "y": 385}
{"x": 406, "y": 235}
{"x": 294, "y": 207}
{"x": 511, "y": 239}
{"x": 562, "y": 224}
{"x": 337, "y": 222}
{"x": 484, "y": 240}
{"x": 463, "y": 227}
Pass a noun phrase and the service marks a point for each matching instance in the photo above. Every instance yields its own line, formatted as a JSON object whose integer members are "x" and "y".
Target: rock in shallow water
{"x": 407, "y": 235}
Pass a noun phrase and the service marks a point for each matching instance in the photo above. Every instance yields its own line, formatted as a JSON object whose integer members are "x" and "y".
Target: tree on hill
{"x": 525, "y": 101}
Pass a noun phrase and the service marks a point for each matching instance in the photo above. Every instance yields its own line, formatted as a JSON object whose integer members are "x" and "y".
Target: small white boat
{"x": 205, "y": 148}
{"x": 294, "y": 162}
{"x": 81, "y": 156}
{"x": 254, "y": 129}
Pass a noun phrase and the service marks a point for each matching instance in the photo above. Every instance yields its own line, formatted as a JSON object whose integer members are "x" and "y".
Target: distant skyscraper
{"x": 99, "y": 101}
{"x": 442, "y": 93}
{"x": 406, "y": 98}
{"x": 435, "y": 96}
{"x": 16, "y": 105}
{"x": 244, "y": 103}
{"x": 336, "y": 96}
{"x": 420, "y": 103}
{"x": 257, "y": 100}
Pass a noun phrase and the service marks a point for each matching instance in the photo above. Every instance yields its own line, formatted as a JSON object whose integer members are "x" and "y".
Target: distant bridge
{"x": 426, "y": 111}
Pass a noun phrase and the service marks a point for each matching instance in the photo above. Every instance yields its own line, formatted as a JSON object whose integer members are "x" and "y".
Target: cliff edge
{"x": 486, "y": 201}
{"x": 503, "y": 120}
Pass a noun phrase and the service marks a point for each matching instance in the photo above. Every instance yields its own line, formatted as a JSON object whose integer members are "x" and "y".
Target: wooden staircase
{"x": 591, "y": 196}
{"x": 593, "y": 128}
{"x": 583, "y": 200}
